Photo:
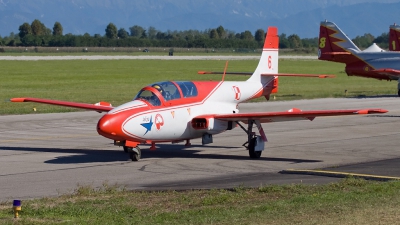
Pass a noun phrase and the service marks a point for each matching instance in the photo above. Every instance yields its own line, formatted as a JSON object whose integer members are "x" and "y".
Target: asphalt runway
{"x": 50, "y": 154}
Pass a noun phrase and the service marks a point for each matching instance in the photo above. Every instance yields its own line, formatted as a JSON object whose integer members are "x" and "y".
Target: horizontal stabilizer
{"x": 232, "y": 73}
{"x": 300, "y": 75}
{"x": 336, "y": 53}
{"x": 390, "y": 72}
{"x": 100, "y": 107}
{"x": 271, "y": 74}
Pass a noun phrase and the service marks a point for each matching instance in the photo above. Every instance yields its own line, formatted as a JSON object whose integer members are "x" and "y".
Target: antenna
{"x": 226, "y": 66}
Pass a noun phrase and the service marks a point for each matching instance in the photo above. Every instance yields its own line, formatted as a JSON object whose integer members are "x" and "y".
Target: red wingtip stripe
{"x": 371, "y": 111}
{"x": 364, "y": 111}
{"x": 17, "y": 99}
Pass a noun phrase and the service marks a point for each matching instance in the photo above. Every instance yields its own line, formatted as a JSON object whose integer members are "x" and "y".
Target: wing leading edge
{"x": 291, "y": 115}
{"x": 100, "y": 107}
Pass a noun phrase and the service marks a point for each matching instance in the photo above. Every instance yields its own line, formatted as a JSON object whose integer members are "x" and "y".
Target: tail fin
{"x": 268, "y": 63}
{"x": 394, "y": 38}
{"x": 334, "y": 44}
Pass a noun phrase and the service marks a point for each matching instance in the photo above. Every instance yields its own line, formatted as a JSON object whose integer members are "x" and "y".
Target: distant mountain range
{"x": 302, "y": 17}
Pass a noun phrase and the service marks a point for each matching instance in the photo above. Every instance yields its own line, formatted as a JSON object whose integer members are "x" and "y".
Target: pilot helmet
{"x": 156, "y": 86}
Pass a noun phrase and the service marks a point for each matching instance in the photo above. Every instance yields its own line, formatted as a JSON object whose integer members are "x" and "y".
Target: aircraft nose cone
{"x": 108, "y": 127}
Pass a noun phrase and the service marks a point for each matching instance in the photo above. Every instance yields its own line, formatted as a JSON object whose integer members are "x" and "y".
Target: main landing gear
{"x": 254, "y": 143}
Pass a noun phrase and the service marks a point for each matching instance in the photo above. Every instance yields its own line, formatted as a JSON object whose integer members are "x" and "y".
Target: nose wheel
{"x": 134, "y": 153}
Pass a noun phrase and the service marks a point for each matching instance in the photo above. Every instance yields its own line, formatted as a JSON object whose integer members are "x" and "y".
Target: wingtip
{"x": 17, "y": 100}
{"x": 326, "y": 76}
{"x": 371, "y": 111}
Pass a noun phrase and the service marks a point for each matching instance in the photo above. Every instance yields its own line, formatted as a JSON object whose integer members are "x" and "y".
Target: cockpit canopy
{"x": 169, "y": 90}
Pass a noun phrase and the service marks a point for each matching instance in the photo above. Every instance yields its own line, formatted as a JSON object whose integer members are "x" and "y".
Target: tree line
{"x": 37, "y": 34}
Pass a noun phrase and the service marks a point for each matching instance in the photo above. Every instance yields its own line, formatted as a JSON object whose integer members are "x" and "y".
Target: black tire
{"x": 252, "y": 145}
{"x": 398, "y": 93}
{"x": 127, "y": 149}
{"x": 135, "y": 156}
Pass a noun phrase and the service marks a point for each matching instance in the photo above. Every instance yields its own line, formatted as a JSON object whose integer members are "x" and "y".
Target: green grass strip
{"x": 118, "y": 81}
{"x": 350, "y": 201}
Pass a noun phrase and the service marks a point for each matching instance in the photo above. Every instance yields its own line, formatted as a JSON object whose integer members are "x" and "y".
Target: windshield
{"x": 167, "y": 89}
{"x": 148, "y": 96}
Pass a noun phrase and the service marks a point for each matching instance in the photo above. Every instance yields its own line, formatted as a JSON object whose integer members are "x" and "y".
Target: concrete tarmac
{"x": 50, "y": 154}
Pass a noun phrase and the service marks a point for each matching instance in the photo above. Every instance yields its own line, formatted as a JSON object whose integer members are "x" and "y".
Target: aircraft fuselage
{"x": 140, "y": 122}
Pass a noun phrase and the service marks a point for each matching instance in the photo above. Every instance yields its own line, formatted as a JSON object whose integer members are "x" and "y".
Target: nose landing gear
{"x": 134, "y": 152}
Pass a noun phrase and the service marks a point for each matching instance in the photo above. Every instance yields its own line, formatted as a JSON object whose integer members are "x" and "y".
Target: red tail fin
{"x": 394, "y": 38}
{"x": 333, "y": 44}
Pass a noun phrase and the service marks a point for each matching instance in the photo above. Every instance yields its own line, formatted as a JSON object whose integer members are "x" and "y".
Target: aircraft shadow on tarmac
{"x": 164, "y": 151}
{"x": 374, "y": 96}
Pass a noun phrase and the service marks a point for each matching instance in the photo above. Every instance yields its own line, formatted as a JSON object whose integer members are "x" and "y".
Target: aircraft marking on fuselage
{"x": 159, "y": 121}
{"x": 236, "y": 89}
{"x": 148, "y": 124}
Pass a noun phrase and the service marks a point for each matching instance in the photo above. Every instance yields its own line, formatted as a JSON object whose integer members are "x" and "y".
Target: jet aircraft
{"x": 373, "y": 62}
{"x": 177, "y": 111}
{"x": 394, "y": 37}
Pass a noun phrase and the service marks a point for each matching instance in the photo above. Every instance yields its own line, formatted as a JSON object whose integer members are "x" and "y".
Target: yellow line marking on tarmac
{"x": 338, "y": 174}
{"x": 47, "y": 138}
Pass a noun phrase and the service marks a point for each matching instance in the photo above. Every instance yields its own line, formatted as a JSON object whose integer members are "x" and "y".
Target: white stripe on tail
{"x": 268, "y": 63}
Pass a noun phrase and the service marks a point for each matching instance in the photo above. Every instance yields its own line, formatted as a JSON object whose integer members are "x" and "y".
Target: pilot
{"x": 156, "y": 86}
{"x": 165, "y": 94}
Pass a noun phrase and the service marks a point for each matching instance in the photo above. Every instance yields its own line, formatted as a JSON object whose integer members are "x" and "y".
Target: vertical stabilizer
{"x": 394, "y": 38}
{"x": 268, "y": 63}
{"x": 333, "y": 43}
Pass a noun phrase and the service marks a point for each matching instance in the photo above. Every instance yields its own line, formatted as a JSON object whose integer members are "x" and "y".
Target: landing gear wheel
{"x": 127, "y": 149}
{"x": 252, "y": 145}
{"x": 135, "y": 155}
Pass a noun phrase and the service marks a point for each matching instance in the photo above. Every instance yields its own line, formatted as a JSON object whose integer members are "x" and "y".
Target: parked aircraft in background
{"x": 372, "y": 62}
{"x": 174, "y": 111}
{"x": 394, "y": 37}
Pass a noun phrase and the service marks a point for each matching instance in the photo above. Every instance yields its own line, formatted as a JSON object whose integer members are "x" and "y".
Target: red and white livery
{"x": 174, "y": 111}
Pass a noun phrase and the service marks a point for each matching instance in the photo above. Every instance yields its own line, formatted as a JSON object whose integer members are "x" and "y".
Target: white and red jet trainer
{"x": 174, "y": 111}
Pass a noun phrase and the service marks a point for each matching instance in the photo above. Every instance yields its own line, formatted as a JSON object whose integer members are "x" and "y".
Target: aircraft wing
{"x": 290, "y": 115}
{"x": 277, "y": 74}
{"x": 100, "y": 107}
{"x": 389, "y": 72}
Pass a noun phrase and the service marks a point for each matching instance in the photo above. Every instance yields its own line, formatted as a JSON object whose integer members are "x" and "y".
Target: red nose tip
{"x": 108, "y": 127}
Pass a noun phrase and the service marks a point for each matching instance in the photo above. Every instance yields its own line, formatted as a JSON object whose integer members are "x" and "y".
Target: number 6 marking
{"x": 269, "y": 62}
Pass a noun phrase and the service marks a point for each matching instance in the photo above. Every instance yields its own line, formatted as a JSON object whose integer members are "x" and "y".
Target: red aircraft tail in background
{"x": 394, "y": 37}
{"x": 334, "y": 45}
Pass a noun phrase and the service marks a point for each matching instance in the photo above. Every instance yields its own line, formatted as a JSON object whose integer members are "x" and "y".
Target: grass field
{"x": 118, "y": 81}
{"x": 351, "y": 201}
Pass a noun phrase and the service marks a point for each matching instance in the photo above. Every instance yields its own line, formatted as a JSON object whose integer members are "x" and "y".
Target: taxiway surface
{"x": 50, "y": 154}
